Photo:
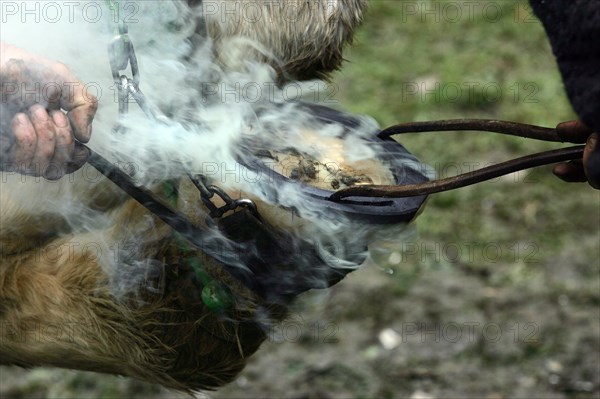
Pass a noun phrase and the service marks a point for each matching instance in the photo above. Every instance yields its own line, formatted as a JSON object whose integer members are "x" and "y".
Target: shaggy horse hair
{"x": 163, "y": 333}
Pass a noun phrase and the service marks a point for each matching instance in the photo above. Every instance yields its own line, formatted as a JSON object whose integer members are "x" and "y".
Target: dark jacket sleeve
{"x": 573, "y": 27}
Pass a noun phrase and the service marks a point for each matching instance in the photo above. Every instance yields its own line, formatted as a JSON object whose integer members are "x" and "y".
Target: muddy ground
{"x": 453, "y": 332}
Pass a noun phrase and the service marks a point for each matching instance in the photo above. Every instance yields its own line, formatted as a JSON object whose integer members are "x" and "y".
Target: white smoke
{"x": 214, "y": 116}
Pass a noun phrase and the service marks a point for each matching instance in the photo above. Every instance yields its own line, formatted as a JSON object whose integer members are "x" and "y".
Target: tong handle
{"x": 569, "y": 132}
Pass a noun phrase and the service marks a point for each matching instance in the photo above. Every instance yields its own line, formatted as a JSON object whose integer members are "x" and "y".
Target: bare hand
{"x": 586, "y": 169}
{"x": 36, "y": 136}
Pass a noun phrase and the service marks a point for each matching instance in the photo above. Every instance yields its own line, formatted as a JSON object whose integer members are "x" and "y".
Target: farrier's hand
{"x": 586, "y": 169}
{"x": 36, "y": 136}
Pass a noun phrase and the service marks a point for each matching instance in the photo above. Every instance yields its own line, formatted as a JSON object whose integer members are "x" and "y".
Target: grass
{"x": 485, "y": 64}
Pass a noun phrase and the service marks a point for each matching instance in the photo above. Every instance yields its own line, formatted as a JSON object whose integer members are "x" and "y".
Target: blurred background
{"x": 495, "y": 294}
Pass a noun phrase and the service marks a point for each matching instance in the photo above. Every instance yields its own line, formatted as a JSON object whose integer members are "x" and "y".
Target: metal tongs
{"x": 268, "y": 272}
{"x": 572, "y": 132}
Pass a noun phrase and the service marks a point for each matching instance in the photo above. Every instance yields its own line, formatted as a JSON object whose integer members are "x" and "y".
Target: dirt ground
{"x": 453, "y": 332}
